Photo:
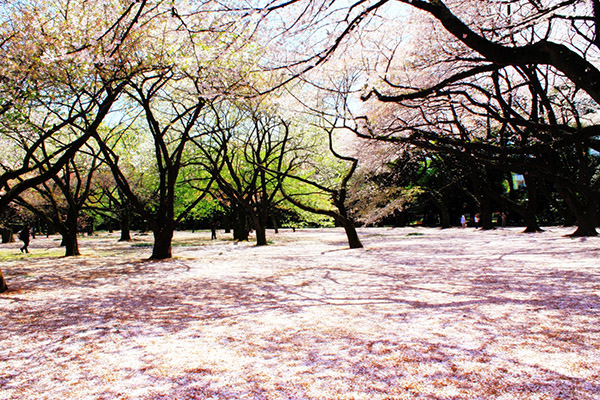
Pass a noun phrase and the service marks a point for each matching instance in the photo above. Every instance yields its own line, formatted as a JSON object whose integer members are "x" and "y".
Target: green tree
{"x": 321, "y": 185}
{"x": 171, "y": 131}
{"x": 248, "y": 147}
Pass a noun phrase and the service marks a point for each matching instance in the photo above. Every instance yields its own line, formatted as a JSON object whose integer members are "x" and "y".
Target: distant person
{"x": 24, "y": 236}
{"x": 476, "y": 220}
{"x": 503, "y": 219}
{"x": 213, "y": 231}
{"x": 463, "y": 221}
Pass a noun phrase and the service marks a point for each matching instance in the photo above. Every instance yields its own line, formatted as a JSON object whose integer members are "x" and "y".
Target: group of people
{"x": 476, "y": 219}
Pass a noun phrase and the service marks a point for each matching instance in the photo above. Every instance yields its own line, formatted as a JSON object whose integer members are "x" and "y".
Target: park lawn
{"x": 419, "y": 313}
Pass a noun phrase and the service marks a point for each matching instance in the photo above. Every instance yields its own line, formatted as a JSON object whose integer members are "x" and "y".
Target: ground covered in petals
{"x": 419, "y": 313}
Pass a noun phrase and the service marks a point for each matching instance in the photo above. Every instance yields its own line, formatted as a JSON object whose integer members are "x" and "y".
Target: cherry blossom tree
{"x": 63, "y": 65}
{"x": 512, "y": 85}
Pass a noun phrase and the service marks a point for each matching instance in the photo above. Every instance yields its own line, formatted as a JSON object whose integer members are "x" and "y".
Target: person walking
{"x": 24, "y": 236}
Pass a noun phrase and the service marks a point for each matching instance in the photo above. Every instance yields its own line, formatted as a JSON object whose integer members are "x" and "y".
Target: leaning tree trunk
{"x": 3, "y": 285}
{"x": 351, "y": 234}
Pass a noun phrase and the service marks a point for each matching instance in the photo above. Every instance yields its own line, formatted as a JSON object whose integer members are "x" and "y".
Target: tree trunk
{"x": 69, "y": 240}
{"x": 584, "y": 229}
{"x": 240, "y": 225}
{"x": 124, "y": 224}
{"x": 259, "y": 220}
{"x": 445, "y": 217}
{"x": 529, "y": 211}
{"x": 50, "y": 229}
{"x": 585, "y": 214}
{"x": 351, "y": 234}
{"x": 7, "y": 236}
{"x": 275, "y": 224}
{"x": 485, "y": 213}
{"x": 531, "y": 222}
{"x": 241, "y": 232}
{"x": 443, "y": 211}
{"x": 480, "y": 187}
{"x": 69, "y": 234}
{"x": 3, "y": 285}
{"x": 261, "y": 235}
{"x": 125, "y": 234}
{"x": 227, "y": 223}
{"x": 163, "y": 238}
{"x": 525, "y": 211}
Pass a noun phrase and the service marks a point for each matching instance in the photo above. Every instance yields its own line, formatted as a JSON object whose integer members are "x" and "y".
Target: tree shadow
{"x": 126, "y": 299}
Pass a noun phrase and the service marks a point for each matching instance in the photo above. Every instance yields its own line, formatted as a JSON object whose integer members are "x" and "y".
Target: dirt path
{"x": 418, "y": 314}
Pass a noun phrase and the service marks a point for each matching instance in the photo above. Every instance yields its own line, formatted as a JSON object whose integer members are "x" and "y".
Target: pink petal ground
{"x": 418, "y": 314}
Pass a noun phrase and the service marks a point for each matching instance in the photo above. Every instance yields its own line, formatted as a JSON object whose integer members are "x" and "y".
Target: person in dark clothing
{"x": 213, "y": 230}
{"x": 24, "y": 236}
